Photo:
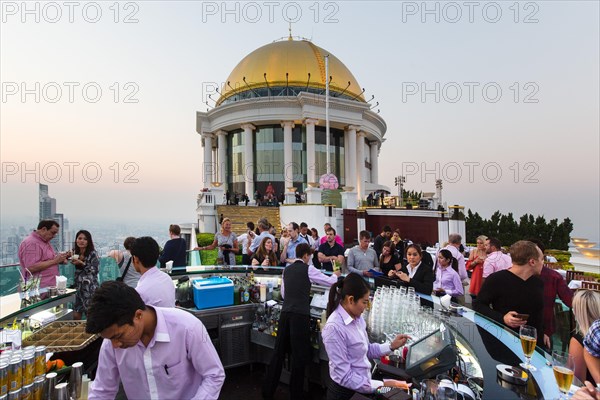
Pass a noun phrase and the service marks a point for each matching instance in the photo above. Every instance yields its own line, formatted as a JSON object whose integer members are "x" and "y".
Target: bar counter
{"x": 491, "y": 344}
{"x": 238, "y": 343}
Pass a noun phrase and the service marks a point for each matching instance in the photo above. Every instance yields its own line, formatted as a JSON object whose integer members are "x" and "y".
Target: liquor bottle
{"x": 25, "y": 328}
{"x": 236, "y": 293}
{"x": 246, "y": 294}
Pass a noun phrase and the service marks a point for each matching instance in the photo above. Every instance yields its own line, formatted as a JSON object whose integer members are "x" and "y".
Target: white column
{"x": 374, "y": 161}
{"x": 208, "y": 166}
{"x": 222, "y": 158}
{"x": 360, "y": 165}
{"x": 288, "y": 160}
{"x": 311, "y": 165}
{"x": 351, "y": 165}
{"x": 346, "y": 159}
{"x": 249, "y": 159}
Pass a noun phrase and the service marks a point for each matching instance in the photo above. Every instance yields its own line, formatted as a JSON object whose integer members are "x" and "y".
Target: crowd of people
{"x": 135, "y": 314}
{"x": 269, "y": 199}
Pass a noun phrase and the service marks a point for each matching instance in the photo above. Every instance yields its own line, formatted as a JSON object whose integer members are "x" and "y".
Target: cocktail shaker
{"x": 75, "y": 380}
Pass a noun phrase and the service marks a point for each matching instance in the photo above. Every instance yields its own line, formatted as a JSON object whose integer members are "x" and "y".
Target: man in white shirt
{"x": 155, "y": 287}
{"x": 305, "y": 234}
{"x": 245, "y": 241}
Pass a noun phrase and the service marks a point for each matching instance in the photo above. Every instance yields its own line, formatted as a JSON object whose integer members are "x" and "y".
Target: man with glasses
{"x": 37, "y": 257}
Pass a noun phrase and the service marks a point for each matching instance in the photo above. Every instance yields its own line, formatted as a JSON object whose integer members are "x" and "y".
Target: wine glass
{"x": 563, "y": 367}
{"x": 528, "y": 336}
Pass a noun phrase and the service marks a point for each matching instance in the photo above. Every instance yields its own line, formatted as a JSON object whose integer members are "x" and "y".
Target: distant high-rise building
{"x": 47, "y": 206}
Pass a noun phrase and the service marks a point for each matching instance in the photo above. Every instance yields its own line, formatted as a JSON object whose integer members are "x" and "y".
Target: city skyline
{"x": 504, "y": 112}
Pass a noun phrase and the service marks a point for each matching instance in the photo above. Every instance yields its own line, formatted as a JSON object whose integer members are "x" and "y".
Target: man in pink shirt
{"x": 37, "y": 257}
{"x": 157, "y": 353}
{"x": 496, "y": 259}
{"x": 338, "y": 239}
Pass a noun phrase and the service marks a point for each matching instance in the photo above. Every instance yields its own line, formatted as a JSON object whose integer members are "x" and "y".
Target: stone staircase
{"x": 239, "y": 215}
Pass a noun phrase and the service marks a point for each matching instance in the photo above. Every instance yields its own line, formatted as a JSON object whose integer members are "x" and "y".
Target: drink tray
{"x": 61, "y": 336}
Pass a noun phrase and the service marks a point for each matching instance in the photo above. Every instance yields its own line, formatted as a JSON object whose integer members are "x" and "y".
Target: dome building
{"x": 268, "y": 125}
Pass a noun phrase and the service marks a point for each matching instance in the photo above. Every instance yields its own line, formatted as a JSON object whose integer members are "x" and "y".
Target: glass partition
{"x": 10, "y": 276}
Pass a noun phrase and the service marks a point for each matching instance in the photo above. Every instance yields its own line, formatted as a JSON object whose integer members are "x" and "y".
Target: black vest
{"x": 297, "y": 289}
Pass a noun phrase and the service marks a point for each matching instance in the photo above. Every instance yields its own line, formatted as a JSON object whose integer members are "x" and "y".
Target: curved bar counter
{"x": 231, "y": 330}
{"x": 490, "y": 343}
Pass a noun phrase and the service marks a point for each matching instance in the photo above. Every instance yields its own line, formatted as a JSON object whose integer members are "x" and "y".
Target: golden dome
{"x": 297, "y": 58}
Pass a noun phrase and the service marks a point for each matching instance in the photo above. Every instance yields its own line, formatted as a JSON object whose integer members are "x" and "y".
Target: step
{"x": 239, "y": 215}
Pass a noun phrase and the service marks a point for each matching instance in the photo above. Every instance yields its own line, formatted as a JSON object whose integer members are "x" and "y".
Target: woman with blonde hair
{"x": 227, "y": 243}
{"x": 586, "y": 308}
{"x": 475, "y": 264}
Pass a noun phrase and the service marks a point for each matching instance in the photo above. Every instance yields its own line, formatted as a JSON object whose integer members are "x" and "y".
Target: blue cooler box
{"x": 212, "y": 292}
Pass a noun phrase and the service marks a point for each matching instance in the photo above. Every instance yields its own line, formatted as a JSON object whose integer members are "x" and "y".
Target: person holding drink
{"x": 86, "y": 262}
{"x": 265, "y": 256}
{"x": 37, "y": 257}
{"x": 515, "y": 296}
{"x": 331, "y": 253}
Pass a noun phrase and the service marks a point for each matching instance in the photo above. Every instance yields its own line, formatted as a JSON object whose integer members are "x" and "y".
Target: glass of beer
{"x": 528, "y": 336}
{"x": 563, "y": 367}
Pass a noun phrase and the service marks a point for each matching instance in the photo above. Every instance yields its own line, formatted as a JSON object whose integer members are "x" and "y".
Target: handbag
{"x": 120, "y": 278}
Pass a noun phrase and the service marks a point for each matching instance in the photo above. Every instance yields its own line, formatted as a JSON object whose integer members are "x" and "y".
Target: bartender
{"x": 37, "y": 256}
{"x": 347, "y": 344}
{"x": 415, "y": 274}
{"x": 447, "y": 280}
{"x": 294, "y": 323}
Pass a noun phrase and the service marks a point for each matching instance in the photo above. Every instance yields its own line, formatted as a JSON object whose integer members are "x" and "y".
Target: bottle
{"x": 239, "y": 294}
{"x": 316, "y": 334}
{"x": 236, "y": 293}
{"x": 246, "y": 294}
{"x": 25, "y": 328}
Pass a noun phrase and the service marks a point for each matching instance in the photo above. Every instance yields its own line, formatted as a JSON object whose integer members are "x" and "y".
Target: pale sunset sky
{"x": 113, "y": 89}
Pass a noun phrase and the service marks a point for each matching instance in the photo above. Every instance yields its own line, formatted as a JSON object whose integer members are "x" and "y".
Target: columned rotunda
{"x": 268, "y": 126}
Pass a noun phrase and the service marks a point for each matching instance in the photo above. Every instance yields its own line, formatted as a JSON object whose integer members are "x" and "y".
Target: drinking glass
{"x": 563, "y": 367}
{"x": 528, "y": 336}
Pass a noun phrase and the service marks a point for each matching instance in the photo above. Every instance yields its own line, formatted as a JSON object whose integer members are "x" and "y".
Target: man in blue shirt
{"x": 288, "y": 253}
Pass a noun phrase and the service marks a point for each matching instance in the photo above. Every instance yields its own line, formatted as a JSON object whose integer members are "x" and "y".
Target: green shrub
{"x": 208, "y": 257}
{"x": 205, "y": 239}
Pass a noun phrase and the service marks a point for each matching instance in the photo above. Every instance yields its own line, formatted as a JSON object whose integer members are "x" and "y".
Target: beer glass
{"x": 563, "y": 367}
{"x": 528, "y": 336}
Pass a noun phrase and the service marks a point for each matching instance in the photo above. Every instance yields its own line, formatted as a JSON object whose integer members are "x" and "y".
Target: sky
{"x": 499, "y": 99}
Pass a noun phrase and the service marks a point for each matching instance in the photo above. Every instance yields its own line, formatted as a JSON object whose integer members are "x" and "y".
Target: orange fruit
{"x": 54, "y": 365}
{"x": 50, "y": 365}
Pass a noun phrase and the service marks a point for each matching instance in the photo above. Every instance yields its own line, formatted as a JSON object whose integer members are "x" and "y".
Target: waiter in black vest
{"x": 294, "y": 323}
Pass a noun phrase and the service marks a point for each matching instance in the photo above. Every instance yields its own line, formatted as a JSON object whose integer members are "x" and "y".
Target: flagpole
{"x": 327, "y": 113}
